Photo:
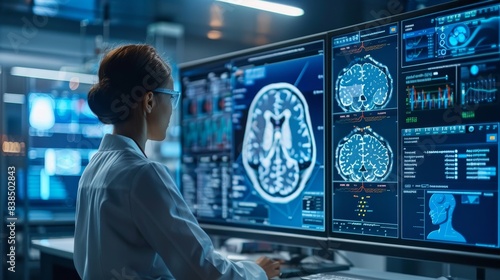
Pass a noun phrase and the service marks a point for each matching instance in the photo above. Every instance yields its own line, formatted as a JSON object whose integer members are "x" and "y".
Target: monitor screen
{"x": 63, "y": 136}
{"x": 253, "y": 141}
{"x": 206, "y": 139}
{"x": 414, "y": 155}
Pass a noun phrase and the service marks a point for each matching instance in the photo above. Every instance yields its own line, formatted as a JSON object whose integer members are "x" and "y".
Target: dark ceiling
{"x": 255, "y": 27}
{"x": 239, "y": 26}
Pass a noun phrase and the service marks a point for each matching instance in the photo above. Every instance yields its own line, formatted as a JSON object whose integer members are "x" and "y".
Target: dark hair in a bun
{"x": 125, "y": 74}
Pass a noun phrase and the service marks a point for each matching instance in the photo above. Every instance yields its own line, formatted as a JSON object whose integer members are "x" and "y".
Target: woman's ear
{"x": 148, "y": 102}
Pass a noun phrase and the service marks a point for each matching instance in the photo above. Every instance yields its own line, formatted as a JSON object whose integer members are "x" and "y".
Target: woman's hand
{"x": 271, "y": 267}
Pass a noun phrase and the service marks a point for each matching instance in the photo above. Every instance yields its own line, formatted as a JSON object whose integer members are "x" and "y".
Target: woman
{"x": 131, "y": 220}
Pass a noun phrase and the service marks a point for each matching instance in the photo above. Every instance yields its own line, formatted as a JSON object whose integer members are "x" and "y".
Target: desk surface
{"x": 63, "y": 247}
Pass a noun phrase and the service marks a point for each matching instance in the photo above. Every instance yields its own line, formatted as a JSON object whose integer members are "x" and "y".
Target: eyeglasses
{"x": 175, "y": 95}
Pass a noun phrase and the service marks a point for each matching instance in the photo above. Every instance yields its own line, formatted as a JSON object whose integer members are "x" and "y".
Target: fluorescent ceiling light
{"x": 268, "y": 6}
{"x": 53, "y": 75}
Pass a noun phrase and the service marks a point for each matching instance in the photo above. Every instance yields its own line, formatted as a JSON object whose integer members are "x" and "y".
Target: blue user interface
{"x": 415, "y": 128}
{"x": 64, "y": 134}
{"x": 253, "y": 150}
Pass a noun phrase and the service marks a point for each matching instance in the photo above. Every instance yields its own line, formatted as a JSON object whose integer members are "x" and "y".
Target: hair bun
{"x": 125, "y": 74}
{"x": 102, "y": 98}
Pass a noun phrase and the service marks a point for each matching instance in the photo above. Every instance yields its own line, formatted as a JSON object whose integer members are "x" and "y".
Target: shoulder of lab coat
{"x": 166, "y": 222}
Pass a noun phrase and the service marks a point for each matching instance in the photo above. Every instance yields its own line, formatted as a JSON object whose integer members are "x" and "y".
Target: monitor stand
{"x": 480, "y": 273}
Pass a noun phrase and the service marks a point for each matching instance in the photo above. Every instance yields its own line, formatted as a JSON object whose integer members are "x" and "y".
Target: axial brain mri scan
{"x": 279, "y": 146}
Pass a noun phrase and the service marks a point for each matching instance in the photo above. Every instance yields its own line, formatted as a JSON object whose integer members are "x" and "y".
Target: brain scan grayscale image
{"x": 279, "y": 148}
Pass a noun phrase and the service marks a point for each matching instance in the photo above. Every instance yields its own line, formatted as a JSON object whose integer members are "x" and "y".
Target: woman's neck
{"x": 136, "y": 130}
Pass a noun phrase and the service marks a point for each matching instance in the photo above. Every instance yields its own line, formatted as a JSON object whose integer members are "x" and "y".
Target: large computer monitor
{"x": 253, "y": 142}
{"x": 415, "y": 125}
{"x": 63, "y": 134}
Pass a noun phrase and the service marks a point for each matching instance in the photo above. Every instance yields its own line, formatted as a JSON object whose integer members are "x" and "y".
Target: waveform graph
{"x": 430, "y": 97}
{"x": 479, "y": 84}
{"x": 362, "y": 47}
{"x": 360, "y": 188}
{"x": 431, "y": 89}
{"x": 354, "y": 118}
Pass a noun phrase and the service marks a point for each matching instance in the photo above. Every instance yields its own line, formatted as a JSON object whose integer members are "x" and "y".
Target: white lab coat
{"x": 132, "y": 223}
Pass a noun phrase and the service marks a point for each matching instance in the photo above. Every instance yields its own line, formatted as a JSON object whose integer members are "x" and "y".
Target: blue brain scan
{"x": 364, "y": 156}
{"x": 364, "y": 85}
{"x": 279, "y": 149}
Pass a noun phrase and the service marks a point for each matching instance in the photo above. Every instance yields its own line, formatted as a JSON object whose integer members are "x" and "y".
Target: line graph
{"x": 363, "y": 116}
{"x": 478, "y": 92}
{"x": 360, "y": 188}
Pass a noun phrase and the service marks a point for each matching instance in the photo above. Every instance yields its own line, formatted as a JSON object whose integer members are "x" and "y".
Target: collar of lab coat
{"x": 114, "y": 142}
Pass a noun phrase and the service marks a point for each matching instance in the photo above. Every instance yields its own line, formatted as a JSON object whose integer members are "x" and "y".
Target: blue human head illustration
{"x": 441, "y": 207}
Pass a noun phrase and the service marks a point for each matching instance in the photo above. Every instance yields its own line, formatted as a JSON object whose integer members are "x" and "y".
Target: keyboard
{"x": 309, "y": 269}
{"x": 323, "y": 276}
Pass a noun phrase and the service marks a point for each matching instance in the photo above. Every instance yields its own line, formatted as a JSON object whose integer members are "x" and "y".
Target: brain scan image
{"x": 279, "y": 150}
{"x": 363, "y": 156}
{"x": 364, "y": 85}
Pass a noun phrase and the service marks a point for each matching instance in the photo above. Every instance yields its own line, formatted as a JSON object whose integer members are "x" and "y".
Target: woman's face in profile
{"x": 159, "y": 118}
